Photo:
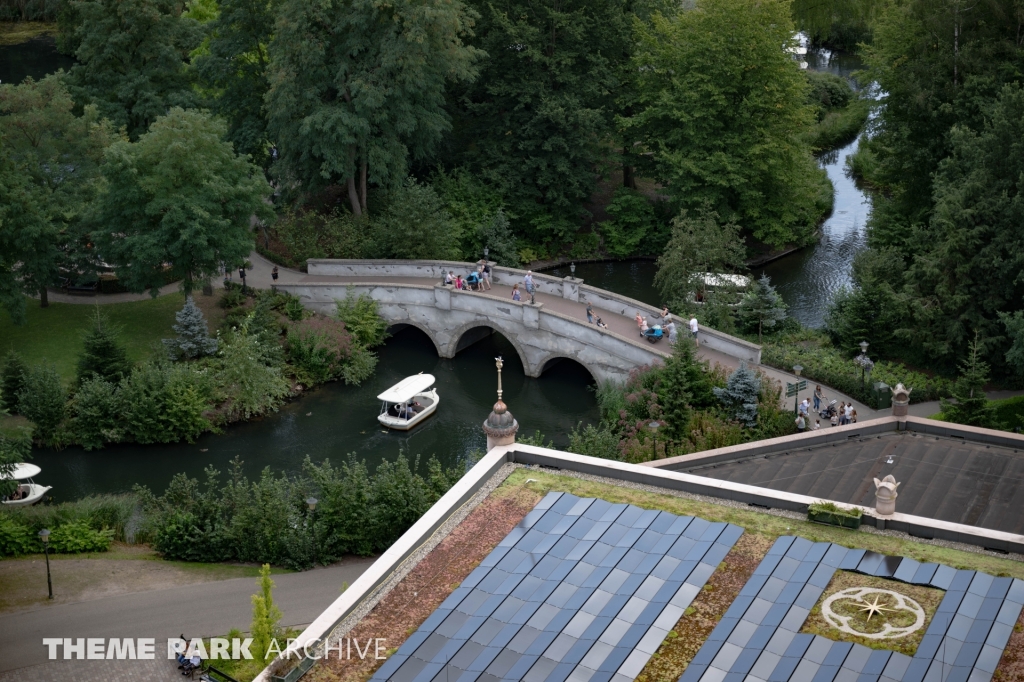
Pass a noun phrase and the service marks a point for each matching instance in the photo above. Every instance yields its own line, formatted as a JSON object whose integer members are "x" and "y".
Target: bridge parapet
{"x": 569, "y": 288}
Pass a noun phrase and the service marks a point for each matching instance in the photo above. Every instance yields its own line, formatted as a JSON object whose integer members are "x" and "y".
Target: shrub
{"x": 828, "y": 91}
{"x": 293, "y": 309}
{"x": 740, "y": 395}
{"x": 12, "y": 380}
{"x": 364, "y": 323}
{"x": 594, "y": 441}
{"x": 247, "y": 375}
{"x": 15, "y": 447}
{"x": 319, "y": 347}
{"x": 163, "y": 403}
{"x": 77, "y": 536}
{"x": 16, "y": 538}
{"x": 497, "y": 236}
{"x": 315, "y": 235}
{"x": 98, "y": 418}
{"x": 232, "y": 298}
{"x": 359, "y": 366}
{"x": 42, "y": 400}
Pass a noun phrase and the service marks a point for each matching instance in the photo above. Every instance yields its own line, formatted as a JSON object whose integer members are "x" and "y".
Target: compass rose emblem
{"x": 886, "y": 614}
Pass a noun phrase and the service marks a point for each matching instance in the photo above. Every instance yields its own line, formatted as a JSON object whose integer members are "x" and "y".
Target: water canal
{"x": 336, "y": 420}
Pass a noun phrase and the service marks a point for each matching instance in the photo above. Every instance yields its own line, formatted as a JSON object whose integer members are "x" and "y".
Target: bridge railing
{"x": 569, "y": 288}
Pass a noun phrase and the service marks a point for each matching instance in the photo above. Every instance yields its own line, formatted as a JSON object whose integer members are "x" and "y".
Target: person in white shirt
{"x": 694, "y": 329}
{"x": 671, "y": 331}
{"x": 817, "y": 425}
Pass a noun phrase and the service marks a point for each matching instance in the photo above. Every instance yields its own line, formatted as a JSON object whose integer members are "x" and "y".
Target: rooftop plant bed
{"x": 834, "y": 515}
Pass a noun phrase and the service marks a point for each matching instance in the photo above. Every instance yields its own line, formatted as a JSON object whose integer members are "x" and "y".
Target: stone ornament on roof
{"x": 900, "y": 400}
{"x": 500, "y": 426}
{"x": 885, "y": 495}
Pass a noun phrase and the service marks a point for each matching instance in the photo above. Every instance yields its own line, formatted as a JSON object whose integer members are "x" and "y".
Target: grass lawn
{"x": 15, "y": 32}
{"x": 54, "y": 334}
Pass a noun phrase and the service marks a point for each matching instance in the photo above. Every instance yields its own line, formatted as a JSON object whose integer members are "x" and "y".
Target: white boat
{"x": 408, "y": 402}
{"x": 28, "y": 492}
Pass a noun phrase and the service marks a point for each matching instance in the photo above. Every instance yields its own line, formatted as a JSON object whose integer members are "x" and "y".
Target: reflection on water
{"x": 633, "y": 278}
{"x": 336, "y": 420}
{"x": 809, "y": 279}
{"x": 36, "y": 58}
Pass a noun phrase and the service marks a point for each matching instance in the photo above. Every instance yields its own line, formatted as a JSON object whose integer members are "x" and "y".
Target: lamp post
{"x": 866, "y": 365}
{"x": 654, "y": 435}
{"x": 572, "y": 269}
{"x": 44, "y": 535}
{"x": 311, "y": 503}
{"x": 486, "y": 251}
{"x": 796, "y": 395}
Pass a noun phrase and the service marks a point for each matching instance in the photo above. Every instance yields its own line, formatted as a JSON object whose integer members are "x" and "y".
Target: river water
{"x": 336, "y": 420}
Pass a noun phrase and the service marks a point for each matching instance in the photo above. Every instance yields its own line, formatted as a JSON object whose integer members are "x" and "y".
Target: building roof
{"x": 950, "y": 479}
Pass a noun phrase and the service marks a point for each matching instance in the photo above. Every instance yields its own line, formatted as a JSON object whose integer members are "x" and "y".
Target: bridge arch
{"x": 549, "y": 360}
{"x": 510, "y": 336}
{"x": 398, "y": 326}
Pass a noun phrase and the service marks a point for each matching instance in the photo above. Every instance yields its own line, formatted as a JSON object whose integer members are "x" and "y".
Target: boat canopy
{"x": 720, "y": 279}
{"x": 404, "y": 390}
{"x": 23, "y": 471}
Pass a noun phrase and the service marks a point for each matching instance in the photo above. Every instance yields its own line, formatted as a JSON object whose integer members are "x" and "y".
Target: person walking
{"x": 853, "y": 417}
{"x": 639, "y": 319}
{"x": 643, "y": 328}
{"x": 671, "y": 326}
{"x": 818, "y": 398}
{"x": 273, "y": 273}
{"x": 528, "y": 284}
{"x": 849, "y": 413}
{"x": 805, "y": 404}
{"x": 241, "y": 274}
{"x": 516, "y": 296}
{"x": 801, "y": 423}
{"x": 486, "y": 270}
{"x": 842, "y": 414}
{"x": 694, "y": 329}
{"x": 590, "y": 313}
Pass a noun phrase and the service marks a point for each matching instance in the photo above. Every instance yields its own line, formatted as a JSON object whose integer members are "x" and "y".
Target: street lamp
{"x": 311, "y": 503}
{"x": 486, "y": 251}
{"x": 654, "y": 434}
{"x": 866, "y": 364}
{"x": 44, "y": 535}
{"x": 796, "y": 393}
{"x": 572, "y": 269}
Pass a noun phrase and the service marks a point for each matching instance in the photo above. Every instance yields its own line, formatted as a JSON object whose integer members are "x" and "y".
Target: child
{"x": 516, "y": 296}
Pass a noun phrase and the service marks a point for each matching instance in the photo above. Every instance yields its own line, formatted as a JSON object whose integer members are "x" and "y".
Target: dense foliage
{"x": 267, "y": 519}
{"x": 85, "y": 525}
{"x": 947, "y": 157}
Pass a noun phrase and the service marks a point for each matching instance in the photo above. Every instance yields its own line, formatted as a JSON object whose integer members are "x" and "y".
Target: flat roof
{"x": 949, "y": 479}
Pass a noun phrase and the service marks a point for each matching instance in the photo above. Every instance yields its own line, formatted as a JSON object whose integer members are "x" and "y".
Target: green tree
{"x": 699, "y": 245}
{"x": 177, "y": 202}
{"x": 594, "y": 441}
{"x": 193, "y": 340}
{"x": 1014, "y": 323}
{"x": 762, "y": 306}
{"x": 248, "y": 376}
{"x": 416, "y": 225}
{"x": 739, "y": 397}
{"x": 357, "y": 88}
{"x": 103, "y": 355}
{"x": 362, "y": 319}
{"x": 43, "y": 401}
{"x": 234, "y": 69}
{"x": 59, "y": 155}
{"x": 28, "y": 249}
{"x": 719, "y": 108}
{"x": 537, "y": 121}
{"x": 871, "y": 310}
{"x": 12, "y": 380}
{"x": 972, "y": 406}
{"x": 131, "y": 59}
{"x": 496, "y": 235}
{"x": 632, "y": 218}
{"x": 15, "y": 447}
{"x": 265, "y": 616}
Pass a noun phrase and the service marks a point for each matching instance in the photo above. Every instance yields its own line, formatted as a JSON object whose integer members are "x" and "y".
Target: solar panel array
{"x": 582, "y": 590}
{"x": 758, "y": 639}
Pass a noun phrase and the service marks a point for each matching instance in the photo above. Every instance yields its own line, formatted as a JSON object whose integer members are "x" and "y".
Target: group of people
{"x": 478, "y": 280}
{"x": 668, "y": 325}
{"x": 841, "y": 416}
{"x": 407, "y": 411}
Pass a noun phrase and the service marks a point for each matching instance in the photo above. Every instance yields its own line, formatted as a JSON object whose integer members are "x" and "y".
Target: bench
{"x": 211, "y": 674}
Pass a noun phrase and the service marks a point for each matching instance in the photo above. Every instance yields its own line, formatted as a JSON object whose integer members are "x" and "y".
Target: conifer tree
{"x": 194, "y": 340}
{"x": 12, "y": 380}
{"x": 972, "y": 406}
{"x": 265, "y": 615}
{"x": 739, "y": 397}
{"x": 104, "y": 355}
{"x": 684, "y": 386}
{"x": 762, "y": 306}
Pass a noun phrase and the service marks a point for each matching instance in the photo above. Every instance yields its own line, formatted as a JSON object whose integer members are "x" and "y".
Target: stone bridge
{"x": 551, "y": 329}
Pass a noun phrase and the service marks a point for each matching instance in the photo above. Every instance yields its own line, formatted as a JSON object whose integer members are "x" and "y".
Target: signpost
{"x": 794, "y": 390}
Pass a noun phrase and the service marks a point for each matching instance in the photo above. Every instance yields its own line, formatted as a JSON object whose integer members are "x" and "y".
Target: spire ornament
{"x": 500, "y": 426}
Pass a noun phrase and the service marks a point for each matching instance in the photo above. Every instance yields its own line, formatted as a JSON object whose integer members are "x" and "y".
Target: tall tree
{"x": 719, "y": 107}
{"x": 762, "y": 306}
{"x": 357, "y": 87}
{"x": 177, "y": 203}
{"x": 28, "y": 247}
{"x": 234, "y": 68}
{"x": 700, "y": 244}
{"x": 103, "y": 354}
{"x": 537, "y": 121}
{"x": 131, "y": 59}
{"x": 59, "y": 155}
{"x": 972, "y": 406}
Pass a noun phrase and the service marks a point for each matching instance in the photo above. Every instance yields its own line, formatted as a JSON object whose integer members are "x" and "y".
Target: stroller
{"x": 654, "y": 334}
{"x": 829, "y": 410}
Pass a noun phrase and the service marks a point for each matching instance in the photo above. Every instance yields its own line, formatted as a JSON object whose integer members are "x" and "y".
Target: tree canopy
{"x": 357, "y": 88}
{"x": 177, "y": 203}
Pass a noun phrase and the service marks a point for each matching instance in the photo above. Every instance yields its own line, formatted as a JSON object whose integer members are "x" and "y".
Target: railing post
{"x": 571, "y": 288}
{"x": 531, "y": 315}
{"x": 442, "y": 297}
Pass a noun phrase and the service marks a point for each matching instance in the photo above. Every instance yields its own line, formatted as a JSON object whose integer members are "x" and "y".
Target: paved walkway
{"x": 260, "y": 278}
{"x": 203, "y": 610}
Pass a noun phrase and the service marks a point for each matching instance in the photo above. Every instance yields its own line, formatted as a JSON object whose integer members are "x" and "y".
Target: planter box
{"x": 841, "y": 520}
{"x": 295, "y": 673}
